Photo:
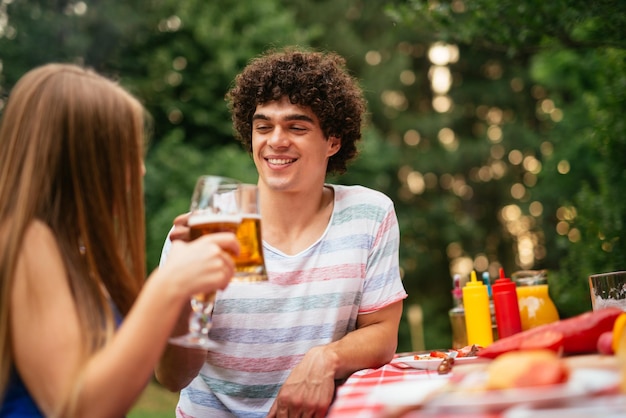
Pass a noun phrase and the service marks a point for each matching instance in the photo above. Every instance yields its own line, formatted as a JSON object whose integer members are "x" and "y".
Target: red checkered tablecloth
{"x": 353, "y": 400}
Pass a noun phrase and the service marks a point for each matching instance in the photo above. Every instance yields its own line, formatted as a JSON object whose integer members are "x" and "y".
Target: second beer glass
{"x": 221, "y": 204}
{"x": 250, "y": 263}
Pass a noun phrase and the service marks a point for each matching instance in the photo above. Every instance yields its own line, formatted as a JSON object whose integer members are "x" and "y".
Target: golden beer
{"x": 202, "y": 224}
{"x": 250, "y": 262}
{"x": 215, "y": 207}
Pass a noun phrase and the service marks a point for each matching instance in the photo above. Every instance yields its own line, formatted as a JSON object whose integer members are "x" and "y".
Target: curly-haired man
{"x": 333, "y": 301}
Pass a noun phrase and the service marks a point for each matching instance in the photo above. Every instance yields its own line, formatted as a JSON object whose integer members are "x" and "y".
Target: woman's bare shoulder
{"x": 37, "y": 237}
{"x": 38, "y": 231}
{"x": 40, "y": 252}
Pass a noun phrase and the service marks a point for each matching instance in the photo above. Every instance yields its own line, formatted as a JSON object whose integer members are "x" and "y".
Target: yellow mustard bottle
{"x": 535, "y": 305}
{"x": 477, "y": 312}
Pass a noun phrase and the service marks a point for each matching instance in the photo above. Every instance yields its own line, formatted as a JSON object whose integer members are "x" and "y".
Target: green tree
{"x": 181, "y": 64}
{"x": 573, "y": 54}
{"x": 500, "y": 184}
{"x": 530, "y": 150}
{"x": 446, "y": 212}
{"x": 35, "y": 32}
{"x": 178, "y": 57}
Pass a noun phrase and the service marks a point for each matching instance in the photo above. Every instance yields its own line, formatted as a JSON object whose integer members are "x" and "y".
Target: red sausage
{"x": 541, "y": 340}
{"x": 580, "y": 334}
{"x": 547, "y": 340}
{"x": 605, "y": 343}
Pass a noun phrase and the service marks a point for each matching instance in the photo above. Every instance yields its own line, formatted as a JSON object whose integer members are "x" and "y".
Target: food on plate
{"x": 433, "y": 355}
{"x": 446, "y": 365}
{"x": 467, "y": 351}
{"x": 518, "y": 369}
{"x": 605, "y": 343}
{"x": 447, "y": 357}
{"x": 576, "y": 335}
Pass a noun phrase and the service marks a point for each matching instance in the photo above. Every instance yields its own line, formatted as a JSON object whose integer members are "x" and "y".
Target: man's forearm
{"x": 372, "y": 344}
{"x": 178, "y": 365}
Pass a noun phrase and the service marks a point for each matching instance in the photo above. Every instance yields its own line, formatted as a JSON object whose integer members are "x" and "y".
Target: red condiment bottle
{"x": 507, "y": 308}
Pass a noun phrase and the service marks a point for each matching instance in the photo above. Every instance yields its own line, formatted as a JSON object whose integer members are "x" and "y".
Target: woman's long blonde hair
{"x": 71, "y": 156}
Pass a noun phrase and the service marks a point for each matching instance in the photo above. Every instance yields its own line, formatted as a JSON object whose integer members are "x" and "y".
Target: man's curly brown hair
{"x": 317, "y": 80}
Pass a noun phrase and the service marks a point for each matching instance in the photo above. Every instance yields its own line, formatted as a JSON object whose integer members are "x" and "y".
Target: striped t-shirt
{"x": 312, "y": 298}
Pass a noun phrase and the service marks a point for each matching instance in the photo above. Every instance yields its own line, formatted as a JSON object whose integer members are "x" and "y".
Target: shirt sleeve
{"x": 383, "y": 283}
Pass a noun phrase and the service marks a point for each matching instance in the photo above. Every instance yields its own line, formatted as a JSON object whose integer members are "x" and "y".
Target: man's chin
{"x": 277, "y": 184}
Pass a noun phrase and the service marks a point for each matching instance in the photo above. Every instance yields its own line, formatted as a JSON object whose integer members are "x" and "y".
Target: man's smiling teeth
{"x": 279, "y": 161}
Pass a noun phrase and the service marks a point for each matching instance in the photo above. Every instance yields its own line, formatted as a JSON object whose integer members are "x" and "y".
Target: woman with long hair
{"x": 77, "y": 334}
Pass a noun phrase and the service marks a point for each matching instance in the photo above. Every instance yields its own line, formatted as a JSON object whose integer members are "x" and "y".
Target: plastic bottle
{"x": 477, "y": 315}
{"x": 492, "y": 308}
{"x": 507, "y": 309}
{"x": 457, "y": 315}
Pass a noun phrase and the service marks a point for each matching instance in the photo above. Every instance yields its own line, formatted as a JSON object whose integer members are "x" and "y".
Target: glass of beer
{"x": 250, "y": 264}
{"x": 215, "y": 207}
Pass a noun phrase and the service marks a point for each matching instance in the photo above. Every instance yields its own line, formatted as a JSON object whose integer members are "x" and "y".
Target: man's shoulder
{"x": 360, "y": 194}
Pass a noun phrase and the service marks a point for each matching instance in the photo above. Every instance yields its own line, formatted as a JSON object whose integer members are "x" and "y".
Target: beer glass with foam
{"x": 215, "y": 207}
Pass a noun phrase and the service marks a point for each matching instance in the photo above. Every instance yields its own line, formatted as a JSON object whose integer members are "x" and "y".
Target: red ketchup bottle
{"x": 506, "y": 306}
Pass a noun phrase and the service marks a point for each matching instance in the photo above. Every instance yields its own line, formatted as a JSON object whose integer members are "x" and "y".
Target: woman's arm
{"x": 179, "y": 365}
{"x": 46, "y": 333}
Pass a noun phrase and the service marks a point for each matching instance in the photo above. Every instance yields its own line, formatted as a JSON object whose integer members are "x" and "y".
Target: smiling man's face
{"x": 289, "y": 147}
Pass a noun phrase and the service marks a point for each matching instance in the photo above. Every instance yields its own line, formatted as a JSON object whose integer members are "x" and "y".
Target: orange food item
{"x": 619, "y": 341}
{"x": 618, "y": 329}
{"x": 529, "y": 368}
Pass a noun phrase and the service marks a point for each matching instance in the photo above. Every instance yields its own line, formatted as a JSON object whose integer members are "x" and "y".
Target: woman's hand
{"x": 203, "y": 265}
{"x": 180, "y": 231}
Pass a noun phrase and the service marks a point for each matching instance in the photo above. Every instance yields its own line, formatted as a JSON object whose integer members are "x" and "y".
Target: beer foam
{"x": 601, "y": 303}
{"x": 211, "y": 218}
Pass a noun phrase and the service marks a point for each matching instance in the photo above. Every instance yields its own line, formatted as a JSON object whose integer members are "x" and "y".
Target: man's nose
{"x": 278, "y": 138}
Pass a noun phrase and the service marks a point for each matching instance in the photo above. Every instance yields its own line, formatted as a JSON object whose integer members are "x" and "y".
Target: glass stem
{"x": 200, "y": 319}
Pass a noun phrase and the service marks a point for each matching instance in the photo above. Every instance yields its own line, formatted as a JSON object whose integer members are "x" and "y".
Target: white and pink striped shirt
{"x": 312, "y": 298}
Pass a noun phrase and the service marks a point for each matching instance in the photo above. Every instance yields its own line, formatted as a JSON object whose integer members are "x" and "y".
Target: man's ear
{"x": 334, "y": 145}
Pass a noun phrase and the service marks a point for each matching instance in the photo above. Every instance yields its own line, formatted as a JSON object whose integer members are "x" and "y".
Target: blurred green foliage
{"x": 524, "y": 163}
{"x": 569, "y": 56}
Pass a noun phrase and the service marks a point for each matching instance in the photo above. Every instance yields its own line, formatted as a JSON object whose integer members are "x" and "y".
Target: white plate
{"x": 581, "y": 383}
{"x": 407, "y": 393}
{"x": 424, "y": 362}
